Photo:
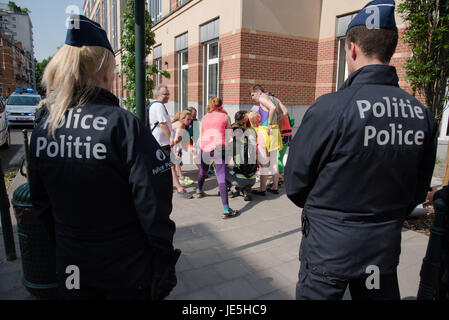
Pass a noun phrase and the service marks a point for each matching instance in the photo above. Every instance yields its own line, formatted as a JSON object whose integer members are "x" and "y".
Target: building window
{"x": 211, "y": 65}
{"x": 157, "y": 60}
{"x": 105, "y": 15}
{"x": 97, "y": 15}
{"x": 155, "y": 7}
{"x": 158, "y": 63}
{"x": 342, "y": 65}
{"x": 114, "y": 25}
{"x": 14, "y": 26}
{"x": 13, "y": 18}
{"x": 209, "y": 34}
{"x": 181, "y": 2}
{"x": 183, "y": 79}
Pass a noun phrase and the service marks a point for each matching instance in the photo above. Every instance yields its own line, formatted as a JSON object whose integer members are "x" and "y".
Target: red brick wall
{"x": 195, "y": 73}
{"x": 284, "y": 65}
{"x": 326, "y": 67}
{"x": 6, "y": 68}
{"x": 327, "y": 70}
{"x": 297, "y": 70}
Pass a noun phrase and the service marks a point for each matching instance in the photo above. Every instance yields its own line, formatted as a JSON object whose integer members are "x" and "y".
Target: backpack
{"x": 147, "y": 114}
{"x": 290, "y": 118}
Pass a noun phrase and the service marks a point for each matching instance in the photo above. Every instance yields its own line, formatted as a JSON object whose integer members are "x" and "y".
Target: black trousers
{"x": 313, "y": 285}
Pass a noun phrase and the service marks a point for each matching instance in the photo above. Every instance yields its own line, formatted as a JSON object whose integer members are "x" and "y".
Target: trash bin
{"x": 36, "y": 248}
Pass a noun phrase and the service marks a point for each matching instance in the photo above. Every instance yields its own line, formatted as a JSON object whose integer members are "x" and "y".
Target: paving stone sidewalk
{"x": 253, "y": 256}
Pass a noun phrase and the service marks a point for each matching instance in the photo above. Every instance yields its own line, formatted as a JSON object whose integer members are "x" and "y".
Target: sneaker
{"x": 200, "y": 194}
{"x": 186, "y": 181}
{"x": 259, "y": 193}
{"x": 275, "y": 191}
{"x": 231, "y": 213}
{"x": 182, "y": 182}
{"x": 247, "y": 198}
{"x": 184, "y": 194}
{"x": 234, "y": 194}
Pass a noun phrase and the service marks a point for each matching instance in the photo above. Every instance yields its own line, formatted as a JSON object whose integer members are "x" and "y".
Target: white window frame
{"x": 98, "y": 15}
{"x": 155, "y": 9}
{"x": 158, "y": 63}
{"x": 341, "y": 58}
{"x": 207, "y": 63}
{"x": 183, "y": 67}
{"x": 181, "y": 2}
{"x": 105, "y": 15}
{"x": 114, "y": 27}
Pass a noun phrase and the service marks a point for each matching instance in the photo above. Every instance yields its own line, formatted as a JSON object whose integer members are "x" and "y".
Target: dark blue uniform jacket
{"x": 361, "y": 160}
{"x": 105, "y": 188}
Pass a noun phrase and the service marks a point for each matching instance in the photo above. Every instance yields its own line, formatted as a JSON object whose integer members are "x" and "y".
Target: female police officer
{"x": 98, "y": 178}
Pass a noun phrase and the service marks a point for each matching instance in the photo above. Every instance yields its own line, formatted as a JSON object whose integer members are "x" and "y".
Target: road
{"x": 12, "y": 157}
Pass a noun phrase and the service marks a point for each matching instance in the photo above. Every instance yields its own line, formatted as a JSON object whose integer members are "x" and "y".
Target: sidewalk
{"x": 253, "y": 256}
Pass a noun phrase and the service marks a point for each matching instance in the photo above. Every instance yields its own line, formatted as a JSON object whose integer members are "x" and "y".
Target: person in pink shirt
{"x": 212, "y": 145}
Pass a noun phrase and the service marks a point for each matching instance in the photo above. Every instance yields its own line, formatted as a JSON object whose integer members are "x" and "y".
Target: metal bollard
{"x": 8, "y": 235}
{"x": 37, "y": 248}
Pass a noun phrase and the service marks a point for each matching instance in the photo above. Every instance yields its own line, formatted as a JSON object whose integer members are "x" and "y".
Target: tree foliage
{"x": 15, "y": 8}
{"x": 129, "y": 56}
{"x": 39, "y": 71}
{"x": 427, "y": 33}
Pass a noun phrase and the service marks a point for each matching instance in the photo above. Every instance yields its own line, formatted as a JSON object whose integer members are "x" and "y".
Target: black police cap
{"x": 378, "y": 14}
{"x": 82, "y": 31}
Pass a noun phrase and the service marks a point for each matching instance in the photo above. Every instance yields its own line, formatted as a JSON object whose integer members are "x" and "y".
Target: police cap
{"x": 377, "y": 14}
{"x": 82, "y": 31}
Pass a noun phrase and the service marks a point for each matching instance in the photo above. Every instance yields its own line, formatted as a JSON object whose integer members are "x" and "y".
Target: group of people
{"x": 255, "y": 143}
{"x": 102, "y": 182}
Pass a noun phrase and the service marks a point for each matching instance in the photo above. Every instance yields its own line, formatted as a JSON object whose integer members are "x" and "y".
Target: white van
{"x": 5, "y": 134}
{"x": 21, "y": 107}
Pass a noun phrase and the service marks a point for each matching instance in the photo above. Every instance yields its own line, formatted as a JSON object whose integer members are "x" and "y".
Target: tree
{"x": 39, "y": 71}
{"x": 427, "y": 33}
{"x": 128, "y": 57}
{"x": 15, "y": 8}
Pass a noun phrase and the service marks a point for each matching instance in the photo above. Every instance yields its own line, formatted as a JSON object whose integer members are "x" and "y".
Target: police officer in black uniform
{"x": 99, "y": 180}
{"x": 360, "y": 162}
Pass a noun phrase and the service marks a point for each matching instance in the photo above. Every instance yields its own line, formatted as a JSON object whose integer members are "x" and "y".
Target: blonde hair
{"x": 213, "y": 103}
{"x": 181, "y": 115}
{"x": 71, "y": 77}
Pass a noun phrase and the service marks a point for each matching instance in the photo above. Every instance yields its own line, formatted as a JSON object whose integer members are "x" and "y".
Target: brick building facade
{"x": 16, "y": 64}
{"x": 107, "y": 13}
{"x": 294, "y": 48}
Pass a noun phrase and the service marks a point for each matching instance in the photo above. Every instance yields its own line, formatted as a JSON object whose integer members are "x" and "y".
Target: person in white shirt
{"x": 160, "y": 124}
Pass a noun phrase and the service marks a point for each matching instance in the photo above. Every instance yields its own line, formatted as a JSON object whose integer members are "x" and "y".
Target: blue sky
{"x": 48, "y": 18}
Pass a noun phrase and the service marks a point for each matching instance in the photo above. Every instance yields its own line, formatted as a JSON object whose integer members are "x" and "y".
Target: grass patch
{"x": 9, "y": 176}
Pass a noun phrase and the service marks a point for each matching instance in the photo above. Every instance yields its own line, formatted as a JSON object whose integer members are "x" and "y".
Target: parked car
{"x": 5, "y": 134}
{"x": 21, "y": 106}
